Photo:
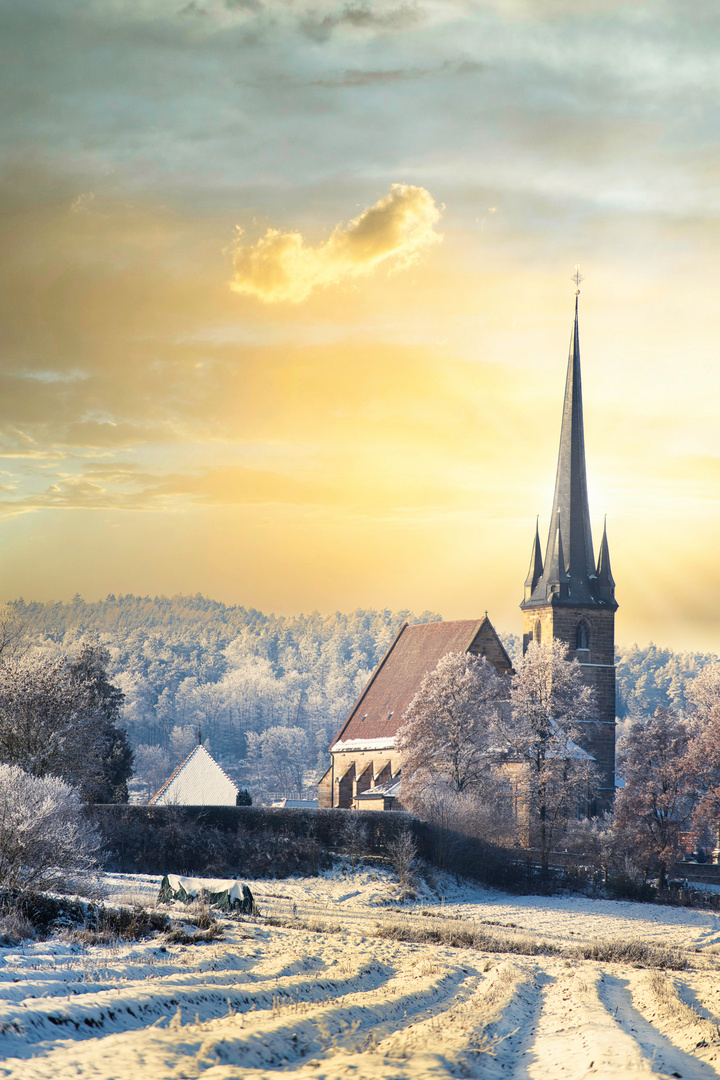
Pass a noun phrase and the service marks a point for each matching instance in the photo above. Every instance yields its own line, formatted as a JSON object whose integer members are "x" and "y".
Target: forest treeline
{"x": 185, "y": 662}
{"x": 188, "y": 661}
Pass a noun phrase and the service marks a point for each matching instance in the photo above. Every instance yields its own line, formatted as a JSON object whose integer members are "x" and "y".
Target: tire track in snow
{"x": 660, "y": 999}
{"x": 282, "y": 1026}
{"x": 572, "y": 1035}
{"x": 664, "y": 1056}
{"x": 26, "y": 1024}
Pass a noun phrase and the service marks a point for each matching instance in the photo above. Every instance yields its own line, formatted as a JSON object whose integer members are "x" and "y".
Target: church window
{"x": 537, "y": 633}
{"x": 582, "y": 636}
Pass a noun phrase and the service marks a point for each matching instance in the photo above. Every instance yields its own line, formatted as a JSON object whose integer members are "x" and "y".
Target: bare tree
{"x": 402, "y": 852}
{"x": 660, "y": 792}
{"x": 355, "y": 839}
{"x": 484, "y": 810}
{"x": 540, "y": 737}
{"x": 447, "y": 724}
{"x": 43, "y": 832}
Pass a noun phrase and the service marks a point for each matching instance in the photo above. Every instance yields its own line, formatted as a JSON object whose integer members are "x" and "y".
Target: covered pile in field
{"x": 225, "y": 893}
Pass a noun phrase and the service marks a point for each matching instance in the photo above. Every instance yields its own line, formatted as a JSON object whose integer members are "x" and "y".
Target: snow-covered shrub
{"x": 43, "y": 831}
{"x": 402, "y": 852}
{"x": 355, "y": 839}
{"x": 14, "y": 926}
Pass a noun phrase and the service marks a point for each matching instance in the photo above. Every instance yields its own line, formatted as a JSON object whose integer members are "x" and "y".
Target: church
{"x": 568, "y": 596}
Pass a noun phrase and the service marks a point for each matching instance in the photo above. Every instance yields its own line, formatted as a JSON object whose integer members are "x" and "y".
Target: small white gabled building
{"x": 199, "y": 781}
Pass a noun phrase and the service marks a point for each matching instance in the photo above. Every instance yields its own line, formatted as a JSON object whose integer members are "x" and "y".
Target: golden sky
{"x": 286, "y": 300}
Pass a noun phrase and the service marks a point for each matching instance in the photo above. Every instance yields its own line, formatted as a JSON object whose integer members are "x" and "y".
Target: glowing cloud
{"x": 396, "y": 230}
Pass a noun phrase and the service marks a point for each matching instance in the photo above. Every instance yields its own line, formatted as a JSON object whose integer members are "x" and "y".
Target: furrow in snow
{"x": 283, "y": 1030}
{"x": 621, "y": 995}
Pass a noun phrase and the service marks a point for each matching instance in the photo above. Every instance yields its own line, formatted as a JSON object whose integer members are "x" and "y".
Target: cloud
{"x": 357, "y": 77}
{"x": 396, "y": 230}
{"x": 361, "y": 17}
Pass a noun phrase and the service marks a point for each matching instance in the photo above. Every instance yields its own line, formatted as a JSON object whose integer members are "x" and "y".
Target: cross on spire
{"x": 577, "y": 278}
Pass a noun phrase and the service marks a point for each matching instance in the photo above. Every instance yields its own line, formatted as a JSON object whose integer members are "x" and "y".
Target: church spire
{"x": 569, "y": 573}
{"x": 571, "y": 500}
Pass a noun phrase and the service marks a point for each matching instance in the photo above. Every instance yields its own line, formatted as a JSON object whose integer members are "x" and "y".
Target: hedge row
{"x": 242, "y": 841}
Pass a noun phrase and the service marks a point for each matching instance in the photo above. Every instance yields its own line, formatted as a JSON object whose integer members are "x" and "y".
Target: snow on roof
{"x": 385, "y": 742}
{"x": 198, "y": 781}
{"x": 390, "y": 790}
{"x": 297, "y": 804}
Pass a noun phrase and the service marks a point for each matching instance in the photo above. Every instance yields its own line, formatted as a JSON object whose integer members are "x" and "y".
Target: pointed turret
{"x": 536, "y": 564}
{"x": 605, "y": 580}
{"x": 570, "y": 520}
{"x": 555, "y": 575}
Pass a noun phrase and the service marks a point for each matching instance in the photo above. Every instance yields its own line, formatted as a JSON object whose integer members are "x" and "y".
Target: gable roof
{"x": 198, "y": 781}
{"x": 416, "y": 650}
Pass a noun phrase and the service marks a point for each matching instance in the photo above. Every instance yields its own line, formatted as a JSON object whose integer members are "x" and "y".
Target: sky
{"x": 286, "y": 300}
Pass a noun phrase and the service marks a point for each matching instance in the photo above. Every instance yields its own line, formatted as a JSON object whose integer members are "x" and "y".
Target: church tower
{"x": 568, "y": 596}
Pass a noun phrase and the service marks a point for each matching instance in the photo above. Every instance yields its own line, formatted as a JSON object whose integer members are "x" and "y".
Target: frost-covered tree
{"x": 280, "y": 758}
{"x": 43, "y": 831}
{"x": 89, "y": 671}
{"x": 448, "y": 722}
{"x": 652, "y": 677}
{"x": 540, "y": 739}
{"x": 152, "y": 766}
{"x": 703, "y": 756}
{"x": 47, "y": 721}
{"x": 58, "y": 718}
{"x": 448, "y": 774}
{"x": 13, "y": 634}
{"x": 604, "y": 843}
{"x": 660, "y": 792}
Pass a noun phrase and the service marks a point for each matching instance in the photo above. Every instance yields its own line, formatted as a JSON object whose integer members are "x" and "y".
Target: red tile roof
{"x": 415, "y": 651}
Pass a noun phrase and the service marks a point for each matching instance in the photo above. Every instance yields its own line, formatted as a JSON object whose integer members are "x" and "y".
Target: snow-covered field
{"x": 327, "y": 997}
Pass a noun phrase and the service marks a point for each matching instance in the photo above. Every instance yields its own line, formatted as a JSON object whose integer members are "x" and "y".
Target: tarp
{"x": 223, "y": 892}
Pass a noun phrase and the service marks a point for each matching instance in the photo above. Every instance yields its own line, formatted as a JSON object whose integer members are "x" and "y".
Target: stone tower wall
{"x": 598, "y": 670}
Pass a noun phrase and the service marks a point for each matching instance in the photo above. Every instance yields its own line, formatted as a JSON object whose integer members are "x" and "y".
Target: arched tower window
{"x": 537, "y": 632}
{"x": 582, "y": 636}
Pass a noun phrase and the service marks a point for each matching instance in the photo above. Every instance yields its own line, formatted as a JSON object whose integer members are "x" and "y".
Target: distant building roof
{"x": 390, "y": 790}
{"x": 297, "y": 804}
{"x": 416, "y": 650}
{"x": 199, "y": 781}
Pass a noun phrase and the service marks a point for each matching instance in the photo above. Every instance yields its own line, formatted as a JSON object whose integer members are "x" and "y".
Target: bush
{"x": 402, "y": 852}
{"x": 355, "y": 838}
{"x": 633, "y": 952}
{"x": 43, "y": 831}
{"x": 624, "y": 887}
{"x": 88, "y": 923}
